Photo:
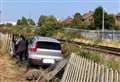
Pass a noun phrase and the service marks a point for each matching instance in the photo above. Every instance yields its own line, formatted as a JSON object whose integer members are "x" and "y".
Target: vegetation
{"x": 25, "y": 22}
{"x": 109, "y": 21}
{"x": 91, "y": 55}
{"x": 77, "y": 20}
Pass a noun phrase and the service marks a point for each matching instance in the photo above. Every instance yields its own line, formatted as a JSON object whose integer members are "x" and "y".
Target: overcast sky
{"x": 11, "y": 10}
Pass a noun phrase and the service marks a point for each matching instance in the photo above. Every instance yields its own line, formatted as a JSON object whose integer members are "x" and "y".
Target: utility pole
{"x": 0, "y": 11}
{"x": 103, "y": 28}
{"x": 29, "y": 13}
{"x": 29, "y": 16}
{"x": 0, "y": 17}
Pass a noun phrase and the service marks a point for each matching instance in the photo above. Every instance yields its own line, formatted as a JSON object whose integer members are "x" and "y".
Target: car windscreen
{"x": 49, "y": 45}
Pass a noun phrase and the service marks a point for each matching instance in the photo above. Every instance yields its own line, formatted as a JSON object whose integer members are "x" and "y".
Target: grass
{"x": 113, "y": 64}
{"x": 91, "y": 55}
{"x": 94, "y": 56}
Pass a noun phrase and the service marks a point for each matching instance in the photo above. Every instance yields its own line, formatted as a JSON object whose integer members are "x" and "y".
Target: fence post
{"x": 112, "y": 34}
{"x": 111, "y": 75}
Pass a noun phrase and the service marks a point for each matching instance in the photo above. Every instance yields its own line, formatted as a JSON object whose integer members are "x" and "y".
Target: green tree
{"x": 19, "y": 22}
{"x": 48, "y": 25}
{"x": 30, "y": 21}
{"x": 43, "y": 20}
{"x": 109, "y": 21}
{"x": 77, "y": 20}
{"x": 98, "y": 17}
{"x": 9, "y": 24}
{"x": 24, "y": 21}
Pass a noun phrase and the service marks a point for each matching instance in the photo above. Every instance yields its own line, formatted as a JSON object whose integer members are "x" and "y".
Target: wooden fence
{"x": 5, "y": 42}
{"x": 83, "y": 70}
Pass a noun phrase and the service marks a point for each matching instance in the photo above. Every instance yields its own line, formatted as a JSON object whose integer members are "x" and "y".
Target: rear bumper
{"x": 38, "y": 59}
{"x": 40, "y": 62}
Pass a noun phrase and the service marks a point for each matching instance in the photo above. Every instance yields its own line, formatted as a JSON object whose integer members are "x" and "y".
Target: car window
{"x": 49, "y": 45}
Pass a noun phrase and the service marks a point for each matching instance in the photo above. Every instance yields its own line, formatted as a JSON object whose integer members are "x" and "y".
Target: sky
{"x": 11, "y": 10}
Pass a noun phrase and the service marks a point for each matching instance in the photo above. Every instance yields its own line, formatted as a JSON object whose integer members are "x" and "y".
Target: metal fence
{"x": 107, "y": 34}
{"x": 83, "y": 70}
{"x": 97, "y": 34}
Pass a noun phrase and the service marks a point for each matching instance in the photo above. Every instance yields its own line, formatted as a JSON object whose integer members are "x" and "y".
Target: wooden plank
{"x": 86, "y": 70}
{"x": 111, "y": 76}
{"x": 72, "y": 69}
{"x": 75, "y": 66}
{"x": 98, "y": 73}
{"x": 89, "y": 69}
{"x": 82, "y": 70}
{"x": 57, "y": 68}
{"x": 102, "y": 74}
{"x": 91, "y": 72}
{"x": 67, "y": 72}
{"x": 116, "y": 76}
{"x": 78, "y": 71}
{"x": 106, "y": 75}
{"x": 95, "y": 72}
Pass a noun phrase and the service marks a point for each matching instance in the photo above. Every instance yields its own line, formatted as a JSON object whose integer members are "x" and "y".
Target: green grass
{"x": 94, "y": 56}
{"x": 91, "y": 55}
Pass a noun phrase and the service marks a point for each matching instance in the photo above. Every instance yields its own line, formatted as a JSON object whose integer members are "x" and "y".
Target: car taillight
{"x": 34, "y": 49}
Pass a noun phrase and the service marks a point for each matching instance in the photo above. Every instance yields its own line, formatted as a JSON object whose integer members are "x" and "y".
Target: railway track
{"x": 100, "y": 48}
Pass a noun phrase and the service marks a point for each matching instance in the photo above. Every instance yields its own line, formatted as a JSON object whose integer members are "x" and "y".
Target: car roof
{"x": 47, "y": 39}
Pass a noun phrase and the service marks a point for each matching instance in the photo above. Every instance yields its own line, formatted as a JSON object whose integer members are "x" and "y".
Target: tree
{"x": 48, "y": 25}
{"x": 109, "y": 21}
{"x": 30, "y": 21}
{"x": 98, "y": 17}
{"x": 77, "y": 20}
{"x": 25, "y": 21}
{"x": 19, "y": 22}
{"x": 43, "y": 20}
{"x": 9, "y": 24}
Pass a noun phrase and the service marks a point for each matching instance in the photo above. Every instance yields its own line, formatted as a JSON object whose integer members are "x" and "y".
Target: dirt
{"x": 10, "y": 71}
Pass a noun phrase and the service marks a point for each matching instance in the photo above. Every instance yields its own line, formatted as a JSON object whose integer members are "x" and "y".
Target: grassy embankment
{"x": 106, "y": 59}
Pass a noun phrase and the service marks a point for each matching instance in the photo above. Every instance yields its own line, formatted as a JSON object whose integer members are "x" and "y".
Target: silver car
{"x": 44, "y": 50}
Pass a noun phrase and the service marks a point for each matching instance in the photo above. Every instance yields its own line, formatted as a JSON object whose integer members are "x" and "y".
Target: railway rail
{"x": 99, "y": 48}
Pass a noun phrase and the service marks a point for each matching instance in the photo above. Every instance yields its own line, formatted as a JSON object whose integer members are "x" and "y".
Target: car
{"x": 44, "y": 51}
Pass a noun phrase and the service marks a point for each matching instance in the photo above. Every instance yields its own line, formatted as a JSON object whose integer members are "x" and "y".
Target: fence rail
{"x": 83, "y": 70}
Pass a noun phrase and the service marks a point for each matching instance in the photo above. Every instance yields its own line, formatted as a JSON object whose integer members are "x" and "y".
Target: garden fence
{"x": 83, "y": 70}
{"x": 5, "y": 42}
